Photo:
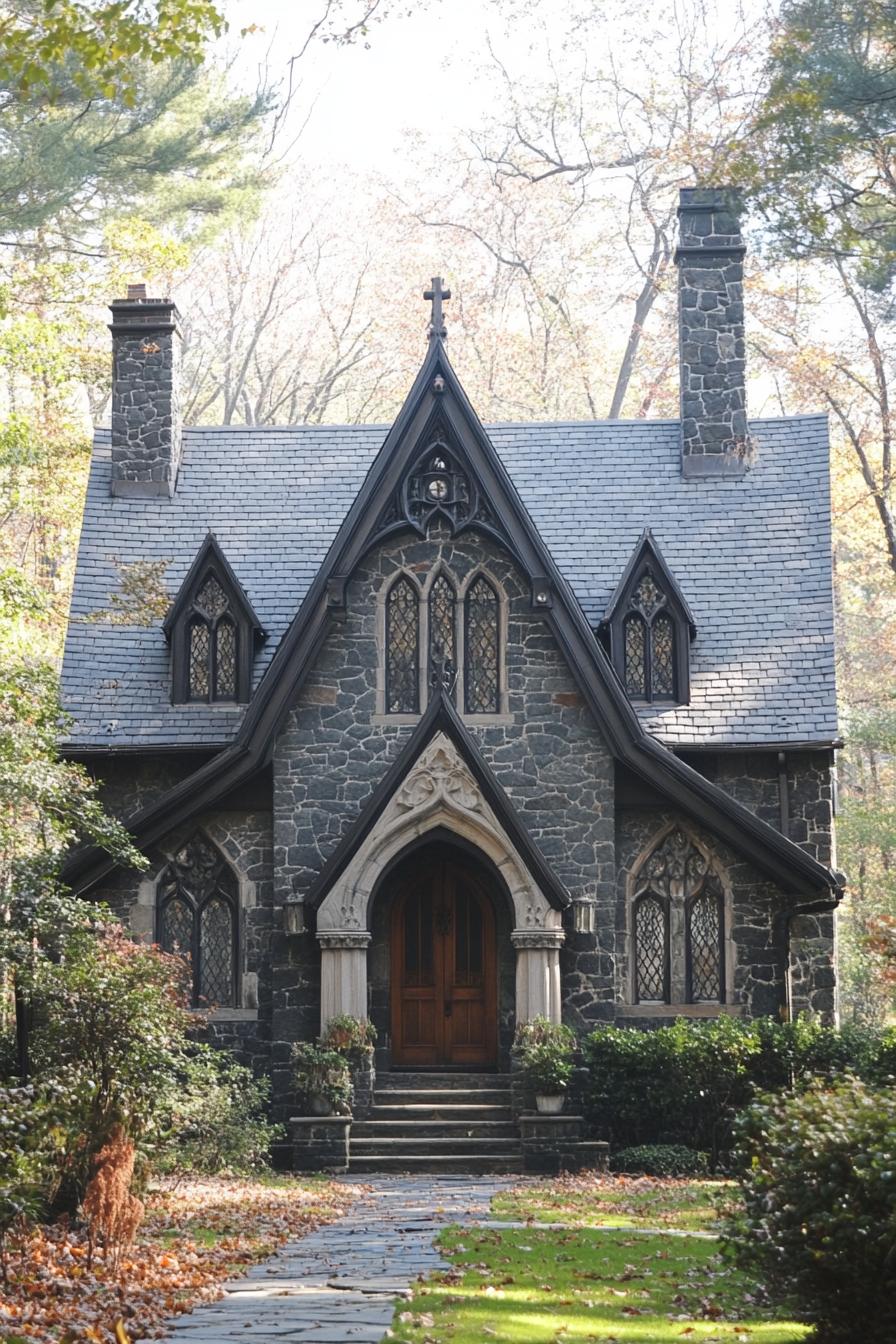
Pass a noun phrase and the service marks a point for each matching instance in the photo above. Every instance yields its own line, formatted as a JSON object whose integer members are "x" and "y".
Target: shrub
{"x": 545, "y": 1052}
{"x": 214, "y": 1120}
{"x": 113, "y": 1214}
{"x": 111, "y": 1021}
{"x": 661, "y": 1159}
{"x": 25, "y": 1160}
{"x": 322, "y": 1073}
{"x": 686, "y": 1082}
{"x": 818, "y": 1178}
{"x": 351, "y": 1037}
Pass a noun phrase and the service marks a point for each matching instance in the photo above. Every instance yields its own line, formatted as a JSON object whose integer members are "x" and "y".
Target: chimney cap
{"x": 137, "y": 293}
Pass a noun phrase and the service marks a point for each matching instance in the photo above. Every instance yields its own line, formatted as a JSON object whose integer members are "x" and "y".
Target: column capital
{"x": 537, "y": 940}
{"x": 344, "y": 939}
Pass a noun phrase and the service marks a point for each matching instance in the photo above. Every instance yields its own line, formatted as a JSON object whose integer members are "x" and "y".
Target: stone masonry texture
{"x": 711, "y": 325}
{"x": 547, "y": 754}
{"x": 146, "y": 413}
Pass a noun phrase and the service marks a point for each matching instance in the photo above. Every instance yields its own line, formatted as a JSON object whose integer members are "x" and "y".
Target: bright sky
{"x": 418, "y": 75}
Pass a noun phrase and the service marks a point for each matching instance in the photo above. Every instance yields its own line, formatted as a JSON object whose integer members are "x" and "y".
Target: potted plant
{"x": 322, "y": 1079}
{"x": 545, "y": 1052}
{"x": 354, "y": 1039}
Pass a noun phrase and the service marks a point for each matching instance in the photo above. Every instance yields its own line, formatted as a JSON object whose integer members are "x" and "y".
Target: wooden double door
{"x": 443, "y": 974}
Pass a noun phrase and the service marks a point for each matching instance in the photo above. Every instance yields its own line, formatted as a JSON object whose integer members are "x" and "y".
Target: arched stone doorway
{"x": 439, "y": 797}
{"x": 443, "y": 960}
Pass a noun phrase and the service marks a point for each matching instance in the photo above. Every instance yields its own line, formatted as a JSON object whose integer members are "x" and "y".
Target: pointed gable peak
{"x": 211, "y": 562}
{"x": 647, "y": 558}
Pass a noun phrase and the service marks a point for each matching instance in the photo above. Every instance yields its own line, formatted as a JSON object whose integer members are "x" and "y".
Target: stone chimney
{"x": 146, "y": 417}
{"x": 712, "y": 348}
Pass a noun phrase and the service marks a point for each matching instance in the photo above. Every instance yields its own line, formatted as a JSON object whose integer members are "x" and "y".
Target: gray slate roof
{"x": 752, "y": 558}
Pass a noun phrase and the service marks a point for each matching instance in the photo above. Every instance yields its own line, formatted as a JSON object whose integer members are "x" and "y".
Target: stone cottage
{"x": 451, "y": 725}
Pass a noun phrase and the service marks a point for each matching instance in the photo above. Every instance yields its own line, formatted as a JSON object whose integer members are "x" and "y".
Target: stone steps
{"x": 436, "y": 1163}
{"x": 451, "y": 1122}
{"x": 433, "y": 1128}
{"x": 442, "y": 1111}
{"x": 453, "y": 1080}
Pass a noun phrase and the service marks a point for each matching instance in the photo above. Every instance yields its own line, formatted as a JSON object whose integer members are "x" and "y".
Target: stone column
{"x": 537, "y": 973}
{"x": 343, "y": 974}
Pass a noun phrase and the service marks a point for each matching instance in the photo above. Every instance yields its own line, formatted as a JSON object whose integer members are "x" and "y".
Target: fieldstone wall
{"x": 753, "y": 780}
{"x": 712, "y": 343}
{"x": 545, "y": 751}
{"x": 146, "y": 411}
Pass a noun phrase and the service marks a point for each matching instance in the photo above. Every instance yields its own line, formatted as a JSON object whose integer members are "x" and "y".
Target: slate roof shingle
{"x": 751, "y": 556}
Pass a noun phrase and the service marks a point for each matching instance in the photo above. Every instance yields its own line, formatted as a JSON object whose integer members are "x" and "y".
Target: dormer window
{"x": 213, "y": 632}
{"x": 650, "y": 628}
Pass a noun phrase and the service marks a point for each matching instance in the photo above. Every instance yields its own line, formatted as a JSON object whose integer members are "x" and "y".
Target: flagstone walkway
{"x": 338, "y": 1285}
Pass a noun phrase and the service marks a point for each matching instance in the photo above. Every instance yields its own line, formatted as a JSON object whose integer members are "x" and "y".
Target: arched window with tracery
{"x": 650, "y": 627}
{"x": 213, "y": 632}
{"x": 677, "y": 922}
{"x": 649, "y": 643}
{"x": 402, "y": 648}
{"x": 481, "y": 648}
{"x": 212, "y": 669}
{"x": 197, "y": 919}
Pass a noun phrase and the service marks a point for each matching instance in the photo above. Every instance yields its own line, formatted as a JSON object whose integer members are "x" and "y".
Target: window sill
{"x": 680, "y": 1010}
{"x": 228, "y": 1014}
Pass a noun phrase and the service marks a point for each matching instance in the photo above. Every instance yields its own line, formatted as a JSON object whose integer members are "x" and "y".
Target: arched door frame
{"x": 439, "y": 794}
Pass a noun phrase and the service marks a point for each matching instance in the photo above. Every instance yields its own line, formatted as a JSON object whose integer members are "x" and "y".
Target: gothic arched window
{"x": 649, "y": 643}
{"x": 213, "y": 630}
{"x": 442, "y": 634}
{"x": 650, "y": 629}
{"x": 212, "y": 668}
{"x": 402, "y": 649}
{"x": 481, "y": 649}
{"x": 197, "y": 905}
{"x": 677, "y": 921}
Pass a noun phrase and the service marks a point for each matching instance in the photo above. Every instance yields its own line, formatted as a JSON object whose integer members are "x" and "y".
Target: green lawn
{"x": 615, "y": 1201}
{"x": 531, "y": 1285}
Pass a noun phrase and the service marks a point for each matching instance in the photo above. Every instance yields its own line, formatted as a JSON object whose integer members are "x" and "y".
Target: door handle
{"x": 448, "y": 1008}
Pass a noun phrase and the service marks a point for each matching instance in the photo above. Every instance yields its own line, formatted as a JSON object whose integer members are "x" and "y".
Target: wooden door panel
{"x": 444, "y": 991}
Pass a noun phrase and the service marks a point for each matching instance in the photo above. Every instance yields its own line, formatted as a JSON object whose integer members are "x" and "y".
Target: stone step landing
{"x": 448, "y": 1122}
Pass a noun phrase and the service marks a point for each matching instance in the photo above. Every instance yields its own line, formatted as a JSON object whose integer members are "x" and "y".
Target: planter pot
{"x": 319, "y": 1105}
{"x": 549, "y": 1105}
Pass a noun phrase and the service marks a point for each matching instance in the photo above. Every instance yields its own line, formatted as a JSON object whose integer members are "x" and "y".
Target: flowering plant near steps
{"x": 351, "y": 1037}
{"x": 323, "y": 1073}
{"x": 545, "y": 1051}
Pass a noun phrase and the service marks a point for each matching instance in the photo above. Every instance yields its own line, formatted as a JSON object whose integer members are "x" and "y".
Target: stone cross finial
{"x": 436, "y": 295}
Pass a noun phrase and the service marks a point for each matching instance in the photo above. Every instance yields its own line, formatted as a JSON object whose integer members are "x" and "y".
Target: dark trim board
{"x": 437, "y": 387}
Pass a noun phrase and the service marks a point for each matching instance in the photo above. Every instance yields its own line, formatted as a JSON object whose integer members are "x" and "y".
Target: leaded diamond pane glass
{"x": 705, "y": 949}
{"x": 650, "y": 942}
{"x": 662, "y": 668}
{"x": 225, "y": 661}
{"x": 211, "y": 597}
{"x": 648, "y": 598}
{"x": 176, "y": 928}
{"x": 200, "y": 640}
{"x": 442, "y": 660}
{"x": 635, "y": 651}
{"x": 401, "y": 649}
{"x": 482, "y": 649}
{"x": 216, "y": 953}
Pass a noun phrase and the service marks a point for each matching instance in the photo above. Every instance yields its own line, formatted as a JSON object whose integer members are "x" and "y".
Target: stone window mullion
{"x": 678, "y": 948}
